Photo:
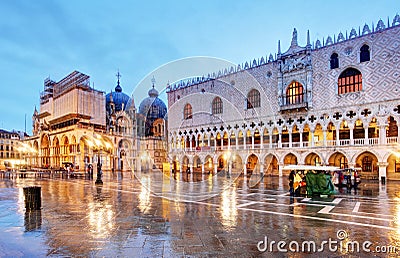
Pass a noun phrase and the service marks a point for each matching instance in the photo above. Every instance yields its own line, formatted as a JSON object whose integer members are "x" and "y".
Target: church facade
{"x": 335, "y": 102}
{"x": 79, "y": 125}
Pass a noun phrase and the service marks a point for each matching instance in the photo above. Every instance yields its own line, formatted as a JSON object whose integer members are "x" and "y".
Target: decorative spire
{"x": 153, "y": 81}
{"x": 294, "y": 38}
{"x": 118, "y": 88}
{"x": 111, "y": 97}
{"x": 279, "y": 47}
{"x": 308, "y": 38}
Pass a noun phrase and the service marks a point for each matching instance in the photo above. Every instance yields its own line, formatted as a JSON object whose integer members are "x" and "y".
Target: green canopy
{"x": 319, "y": 183}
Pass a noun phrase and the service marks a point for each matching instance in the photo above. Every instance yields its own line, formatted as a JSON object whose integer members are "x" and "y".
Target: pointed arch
{"x": 350, "y": 80}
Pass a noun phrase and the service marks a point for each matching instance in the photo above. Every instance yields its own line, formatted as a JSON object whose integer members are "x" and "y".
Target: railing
{"x": 390, "y": 140}
{"x": 373, "y": 141}
{"x": 296, "y": 145}
{"x": 344, "y": 142}
{"x": 285, "y": 145}
{"x": 360, "y": 141}
{"x": 329, "y": 143}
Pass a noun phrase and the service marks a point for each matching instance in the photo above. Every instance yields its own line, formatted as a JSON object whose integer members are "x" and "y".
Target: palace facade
{"x": 335, "y": 102}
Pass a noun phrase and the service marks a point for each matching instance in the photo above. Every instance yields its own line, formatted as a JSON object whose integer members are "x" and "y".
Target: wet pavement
{"x": 154, "y": 215}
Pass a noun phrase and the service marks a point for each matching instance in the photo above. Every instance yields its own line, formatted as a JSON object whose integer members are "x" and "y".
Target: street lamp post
{"x": 97, "y": 146}
{"x": 99, "y": 172}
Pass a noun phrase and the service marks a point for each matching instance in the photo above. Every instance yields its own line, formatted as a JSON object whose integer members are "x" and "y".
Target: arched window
{"x": 217, "y": 107}
{"x": 397, "y": 165}
{"x": 343, "y": 162}
{"x": 187, "y": 111}
{"x": 364, "y": 53}
{"x": 350, "y": 80}
{"x": 253, "y": 99}
{"x": 294, "y": 93}
{"x": 367, "y": 164}
{"x": 334, "y": 61}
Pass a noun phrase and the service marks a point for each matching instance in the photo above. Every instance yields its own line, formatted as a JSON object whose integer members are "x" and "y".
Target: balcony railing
{"x": 293, "y": 102}
{"x": 305, "y": 144}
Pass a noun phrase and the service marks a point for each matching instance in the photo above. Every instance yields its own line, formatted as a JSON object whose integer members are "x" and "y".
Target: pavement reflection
{"x": 153, "y": 214}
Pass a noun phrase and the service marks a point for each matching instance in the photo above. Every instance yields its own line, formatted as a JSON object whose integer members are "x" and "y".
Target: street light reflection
{"x": 228, "y": 207}
{"x": 144, "y": 196}
{"x": 101, "y": 219}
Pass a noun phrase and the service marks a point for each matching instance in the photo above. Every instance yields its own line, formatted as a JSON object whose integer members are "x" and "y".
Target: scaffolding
{"x": 74, "y": 79}
{"x": 47, "y": 93}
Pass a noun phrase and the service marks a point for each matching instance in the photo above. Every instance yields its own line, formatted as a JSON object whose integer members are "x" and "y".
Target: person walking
{"x": 291, "y": 182}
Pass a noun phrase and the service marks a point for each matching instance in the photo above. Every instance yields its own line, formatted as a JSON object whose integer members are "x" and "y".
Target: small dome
{"x": 153, "y": 107}
{"x": 120, "y": 99}
{"x": 153, "y": 92}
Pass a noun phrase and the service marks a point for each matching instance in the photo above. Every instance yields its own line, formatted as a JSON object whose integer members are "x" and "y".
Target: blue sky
{"x": 46, "y": 38}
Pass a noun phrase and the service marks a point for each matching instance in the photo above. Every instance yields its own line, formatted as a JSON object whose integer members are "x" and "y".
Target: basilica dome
{"x": 120, "y": 99}
{"x": 153, "y": 107}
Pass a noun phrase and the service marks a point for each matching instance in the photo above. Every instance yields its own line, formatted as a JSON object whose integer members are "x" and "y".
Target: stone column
{"x": 280, "y": 140}
{"x": 191, "y": 171}
{"x": 262, "y": 140}
{"x": 301, "y": 138}
{"x": 270, "y": 141}
{"x": 252, "y": 141}
{"x": 366, "y": 139}
{"x": 244, "y": 169}
{"x": 351, "y": 127}
{"x": 237, "y": 142}
{"x": 261, "y": 168}
{"x": 215, "y": 168}
{"x": 202, "y": 168}
{"x": 337, "y": 135}
{"x": 382, "y": 170}
{"x": 280, "y": 169}
{"x": 382, "y": 134}
{"x": 290, "y": 139}
{"x": 324, "y": 135}
{"x": 398, "y": 134}
{"x": 312, "y": 139}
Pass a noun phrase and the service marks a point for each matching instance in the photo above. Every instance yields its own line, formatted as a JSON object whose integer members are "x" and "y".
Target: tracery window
{"x": 294, "y": 93}
{"x": 187, "y": 111}
{"x": 334, "y": 61}
{"x": 364, "y": 53}
{"x": 253, "y": 99}
{"x": 217, "y": 107}
{"x": 367, "y": 164}
{"x": 350, "y": 80}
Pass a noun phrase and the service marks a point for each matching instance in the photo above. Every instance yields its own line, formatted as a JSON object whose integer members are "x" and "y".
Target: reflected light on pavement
{"x": 101, "y": 219}
{"x": 228, "y": 207}
{"x": 144, "y": 196}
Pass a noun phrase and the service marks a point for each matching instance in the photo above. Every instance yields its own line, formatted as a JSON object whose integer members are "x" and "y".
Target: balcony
{"x": 287, "y": 145}
{"x": 293, "y": 102}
